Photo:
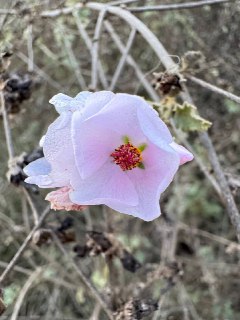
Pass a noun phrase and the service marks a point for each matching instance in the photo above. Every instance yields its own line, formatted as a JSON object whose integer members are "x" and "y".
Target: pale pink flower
{"x": 109, "y": 149}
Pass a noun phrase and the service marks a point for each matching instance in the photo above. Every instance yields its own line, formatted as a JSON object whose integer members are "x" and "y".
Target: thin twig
{"x": 215, "y": 89}
{"x": 32, "y": 205}
{"x": 45, "y": 277}
{"x": 95, "y": 48}
{"x": 226, "y": 192}
{"x": 40, "y": 72}
{"x": 160, "y": 305}
{"x": 120, "y": 2}
{"x": 188, "y": 301}
{"x": 58, "y": 12}
{"x": 33, "y": 277}
{"x": 30, "y": 48}
{"x": 6, "y": 127}
{"x": 140, "y": 75}
{"x": 75, "y": 63}
{"x": 198, "y": 160}
{"x": 88, "y": 42}
{"x": 85, "y": 280}
{"x": 25, "y": 216}
{"x": 123, "y": 59}
{"x": 208, "y": 235}
{"x": 24, "y": 245}
{"x": 8, "y": 11}
{"x": 96, "y": 312}
{"x": 177, "y": 6}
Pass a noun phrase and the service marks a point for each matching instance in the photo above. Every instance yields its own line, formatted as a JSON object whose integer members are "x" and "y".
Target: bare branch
{"x": 142, "y": 78}
{"x": 122, "y": 61}
{"x": 85, "y": 280}
{"x": 75, "y": 64}
{"x": 120, "y": 2}
{"x": 88, "y": 42}
{"x": 33, "y": 277}
{"x": 198, "y": 160}
{"x": 40, "y": 72}
{"x": 32, "y": 205}
{"x": 6, "y": 127}
{"x": 95, "y": 47}
{"x": 30, "y": 47}
{"x": 177, "y": 6}
{"x": 215, "y": 89}
{"x": 24, "y": 246}
{"x": 226, "y": 192}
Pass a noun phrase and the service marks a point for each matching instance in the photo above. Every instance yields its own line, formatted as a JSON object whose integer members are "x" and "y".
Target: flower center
{"x": 127, "y": 156}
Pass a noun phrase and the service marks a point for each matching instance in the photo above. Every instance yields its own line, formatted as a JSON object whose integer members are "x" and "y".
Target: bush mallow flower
{"x": 107, "y": 148}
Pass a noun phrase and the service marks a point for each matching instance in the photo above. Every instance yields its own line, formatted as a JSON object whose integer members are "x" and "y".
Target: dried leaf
{"x": 187, "y": 118}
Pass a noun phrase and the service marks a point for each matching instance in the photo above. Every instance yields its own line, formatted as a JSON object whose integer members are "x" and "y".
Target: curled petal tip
{"x": 184, "y": 154}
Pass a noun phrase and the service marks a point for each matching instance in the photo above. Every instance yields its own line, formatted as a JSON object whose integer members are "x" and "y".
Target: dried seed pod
{"x": 192, "y": 61}
{"x": 66, "y": 236}
{"x": 129, "y": 262}
{"x": 17, "y": 88}
{"x": 41, "y": 236}
{"x": 98, "y": 241}
{"x": 66, "y": 224}
{"x": 5, "y": 60}
{"x": 171, "y": 272}
{"x": 136, "y": 309}
{"x": 15, "y": 173}
{"x": 108, "y": 245}
{"x": 167, "y": 83}
{"x": 32, "y": 156}
{"x": 81, "y": 251}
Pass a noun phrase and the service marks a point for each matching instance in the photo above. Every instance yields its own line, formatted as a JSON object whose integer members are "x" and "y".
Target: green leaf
{"x": 187, "y": 118}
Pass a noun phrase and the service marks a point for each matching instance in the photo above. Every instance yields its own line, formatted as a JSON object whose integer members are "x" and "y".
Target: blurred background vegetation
{"x": 188, "y": 259}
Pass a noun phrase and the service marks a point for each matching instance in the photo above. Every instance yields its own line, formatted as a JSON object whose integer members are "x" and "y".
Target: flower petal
{"x": 43, "y": 181}
{"x": 121, "y": 116}
{"x": 58, "y": 152}
{"x": 184, "y": 154}
{"x": 57, "y": 147}
{"x": 64, "y": 103}
{"x": 149, "y": 183}
{"x": 96, "y": 102}
{"x": 153, "y": 127}
{"x": 41, "y": 174}
{"x": 37, "y": 167}
{"x": 93, "y": 142}
{"x": 41, "y": 142}
{"x": 108, "y": 183}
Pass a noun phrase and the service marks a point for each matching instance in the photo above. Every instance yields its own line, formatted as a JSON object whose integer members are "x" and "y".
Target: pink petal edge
{"x": 184, "y": 154}
{"x": 60, "y": 200}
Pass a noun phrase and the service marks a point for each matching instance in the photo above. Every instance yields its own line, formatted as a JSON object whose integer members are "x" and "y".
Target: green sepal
{"x": 125, "y": 139}
{"x": 142, "y": 147}
{"x": 141, "y": 165}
